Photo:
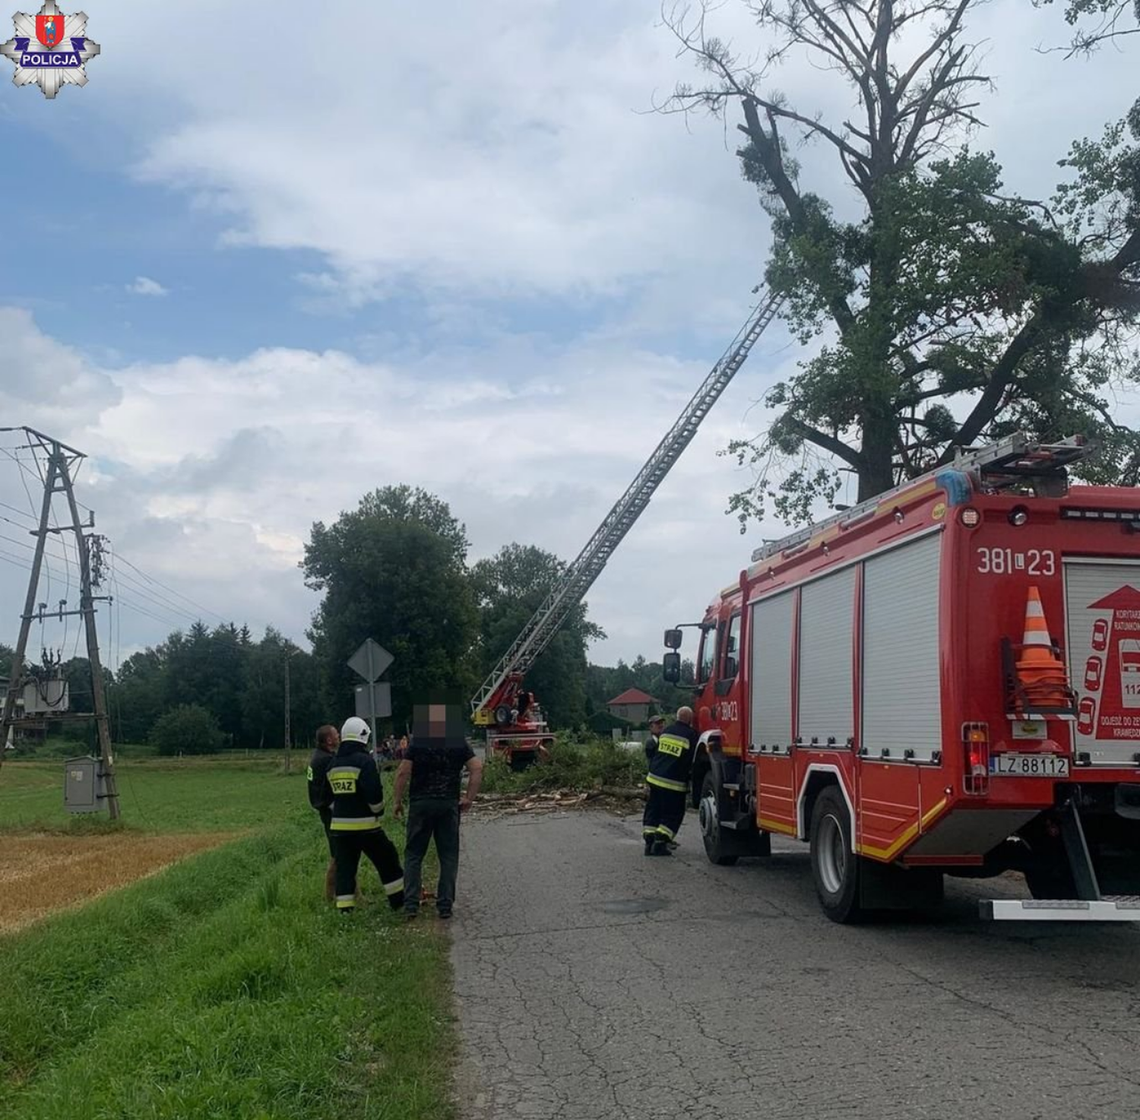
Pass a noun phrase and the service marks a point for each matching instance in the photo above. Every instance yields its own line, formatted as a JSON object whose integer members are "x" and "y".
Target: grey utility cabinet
{"x": 83, "y": 785}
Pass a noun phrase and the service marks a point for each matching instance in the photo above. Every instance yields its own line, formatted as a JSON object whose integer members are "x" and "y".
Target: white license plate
{"x": 1030, "y": 765}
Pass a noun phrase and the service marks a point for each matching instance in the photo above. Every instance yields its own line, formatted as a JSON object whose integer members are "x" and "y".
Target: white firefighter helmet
{"x": 355, "y": 730}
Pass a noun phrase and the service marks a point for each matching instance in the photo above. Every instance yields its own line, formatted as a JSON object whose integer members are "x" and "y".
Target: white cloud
{"x": 43, "y": 380}
{"x": 505, "y": 147}
{"x": 209, "y": 474}
{"x": 485, "y": 158}
{"x": 145, "y": 286}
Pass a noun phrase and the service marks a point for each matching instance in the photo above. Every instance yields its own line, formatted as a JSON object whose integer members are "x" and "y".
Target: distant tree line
{"x": 227, "y": 687}
{"x": 394, "y": 569}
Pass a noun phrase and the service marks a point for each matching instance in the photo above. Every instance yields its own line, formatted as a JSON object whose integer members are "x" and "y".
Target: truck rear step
{"x": 1110, "y": 908}
{"x": 1091, "y": 906}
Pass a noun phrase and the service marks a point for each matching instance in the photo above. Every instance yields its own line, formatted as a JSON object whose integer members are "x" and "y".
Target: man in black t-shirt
{"x": 434, "y": 765}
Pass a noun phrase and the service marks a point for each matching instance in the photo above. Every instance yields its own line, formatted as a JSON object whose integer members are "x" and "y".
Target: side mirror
{"x": 671, "y": 667}
{"x": 673, "y": 639}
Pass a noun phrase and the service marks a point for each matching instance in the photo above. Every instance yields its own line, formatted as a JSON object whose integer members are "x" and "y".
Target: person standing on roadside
{"x": 320, "y": 794}
{"x": 669, "y": 770}
{"x": 358, "y": 805}
{"x": 656, "y": 726}
{"x": 433, "y": 767}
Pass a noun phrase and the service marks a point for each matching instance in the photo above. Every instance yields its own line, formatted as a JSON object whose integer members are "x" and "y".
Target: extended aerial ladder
{"x": 494, "y": 705}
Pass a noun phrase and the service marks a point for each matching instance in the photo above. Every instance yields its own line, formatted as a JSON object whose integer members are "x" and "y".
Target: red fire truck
{"x": 907, "y": 688}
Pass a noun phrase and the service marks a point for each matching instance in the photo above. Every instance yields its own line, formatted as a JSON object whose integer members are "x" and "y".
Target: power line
{"x": 172, "y": 616}
{"x": 149, "y": 612}
{"x": 14, "y": 560}
{"x": 32, "y": 549}
{"x": 154, "y": 599}
{"x": 14, "y": 509}
{"x": 165, "y": 587}
{"x": 14, "y": 456}
{"x": 157, "y": 599}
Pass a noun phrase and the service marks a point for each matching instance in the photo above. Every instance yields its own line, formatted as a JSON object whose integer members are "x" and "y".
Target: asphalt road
{"x": 595, "y": 983}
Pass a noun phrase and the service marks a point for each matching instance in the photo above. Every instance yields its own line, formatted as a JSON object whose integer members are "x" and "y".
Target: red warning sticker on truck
{"x": 1105, "y": 665}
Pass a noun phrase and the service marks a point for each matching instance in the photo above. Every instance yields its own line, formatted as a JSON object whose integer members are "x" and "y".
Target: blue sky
{"x": 254, "y": 283}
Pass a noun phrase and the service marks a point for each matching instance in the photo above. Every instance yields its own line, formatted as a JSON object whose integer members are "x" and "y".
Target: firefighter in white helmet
{"x": 358, "y": 805}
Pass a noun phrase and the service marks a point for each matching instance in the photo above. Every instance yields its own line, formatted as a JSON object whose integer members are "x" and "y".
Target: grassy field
{"x": 223, "y": 986}
{"x": 217, "y": 794}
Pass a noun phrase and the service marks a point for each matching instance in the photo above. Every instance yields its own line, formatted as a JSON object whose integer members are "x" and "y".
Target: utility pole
{"x": 288, "y": 729}
{"x": 57, "y": 479}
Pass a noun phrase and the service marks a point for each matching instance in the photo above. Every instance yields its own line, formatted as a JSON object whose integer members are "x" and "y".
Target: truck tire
{"x": 834, "y": 866}
{"x": 711, "y": 832}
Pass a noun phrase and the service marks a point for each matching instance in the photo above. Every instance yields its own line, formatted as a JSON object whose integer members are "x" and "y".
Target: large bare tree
{"x": 943, "y": 310}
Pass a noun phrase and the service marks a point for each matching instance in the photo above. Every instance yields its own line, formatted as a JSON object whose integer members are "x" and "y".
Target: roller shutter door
{"x": 827, "y": 620}
{"x": 902, "y": 693}
{"x": 770, "y": 634}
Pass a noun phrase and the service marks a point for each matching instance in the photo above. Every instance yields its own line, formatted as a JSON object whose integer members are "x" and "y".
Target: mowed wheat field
{"x": 185, "y": 964}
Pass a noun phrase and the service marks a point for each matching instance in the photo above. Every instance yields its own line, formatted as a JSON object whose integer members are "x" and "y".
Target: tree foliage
{"x": 509, "y": 587}
{"x": 605, "y": 682}
{"x": 239, "y": 681}
{"x": 187, "y": 729}
{"x": 394, "y": 570}
{"x": 1096, "y": 22}
{"x": 945, "y": 311}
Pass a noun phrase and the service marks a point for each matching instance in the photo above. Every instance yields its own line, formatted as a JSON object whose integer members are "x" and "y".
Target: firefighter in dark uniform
{"x": 669, "y": 768}
{"x": 320, "y": 794}
{"x": 358, "y": 804}
{"x": 656, "y": 726}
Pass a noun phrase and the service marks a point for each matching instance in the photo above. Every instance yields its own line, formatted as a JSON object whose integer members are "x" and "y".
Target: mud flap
{"x": 742, "y": 838}
{"x": 890, "y": 887}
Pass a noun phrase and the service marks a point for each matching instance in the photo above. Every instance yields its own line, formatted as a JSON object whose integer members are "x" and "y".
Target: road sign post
{"x": 374, "y": 697}
{"x": 374, "y": 700}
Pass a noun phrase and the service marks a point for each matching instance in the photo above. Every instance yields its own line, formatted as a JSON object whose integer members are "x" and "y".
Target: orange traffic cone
{"x": 1040, "y": 671}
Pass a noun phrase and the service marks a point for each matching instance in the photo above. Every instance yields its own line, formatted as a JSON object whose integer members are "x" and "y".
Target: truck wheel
{"x": 834, "y": 866}
{"x": 711, "y": 832}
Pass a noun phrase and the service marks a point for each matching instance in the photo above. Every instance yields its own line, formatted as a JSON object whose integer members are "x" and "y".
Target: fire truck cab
{"x": 906, "y": 687}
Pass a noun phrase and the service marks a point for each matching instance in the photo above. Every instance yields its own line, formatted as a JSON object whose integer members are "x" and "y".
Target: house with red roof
{"x": 632, "y": 705}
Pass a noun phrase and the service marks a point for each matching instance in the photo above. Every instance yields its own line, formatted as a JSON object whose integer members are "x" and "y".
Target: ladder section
{"x": 580, "y": 576}
{"x": 1009, "y": 462}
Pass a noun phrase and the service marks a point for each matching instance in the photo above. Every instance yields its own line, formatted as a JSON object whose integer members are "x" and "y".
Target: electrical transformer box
{"x": 84, "y": 786}
{"x": 44, "y": 697}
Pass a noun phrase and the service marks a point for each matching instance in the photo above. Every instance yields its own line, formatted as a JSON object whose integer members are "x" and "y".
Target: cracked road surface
{"x": 596, "y": 984}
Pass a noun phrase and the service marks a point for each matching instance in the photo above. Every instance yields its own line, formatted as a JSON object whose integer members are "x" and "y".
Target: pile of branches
{"x": 616, "y": 799}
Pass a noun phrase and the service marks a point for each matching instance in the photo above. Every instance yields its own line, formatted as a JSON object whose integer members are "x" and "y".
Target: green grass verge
{"x": 226, "y": 987}
{"x": 221, "y": 793}
{"x": 573, "y": 766}
{"x": 51, "y": 750}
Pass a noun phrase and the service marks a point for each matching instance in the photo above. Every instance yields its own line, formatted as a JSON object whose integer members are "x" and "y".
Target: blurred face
{"x": 437, "y": 720}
